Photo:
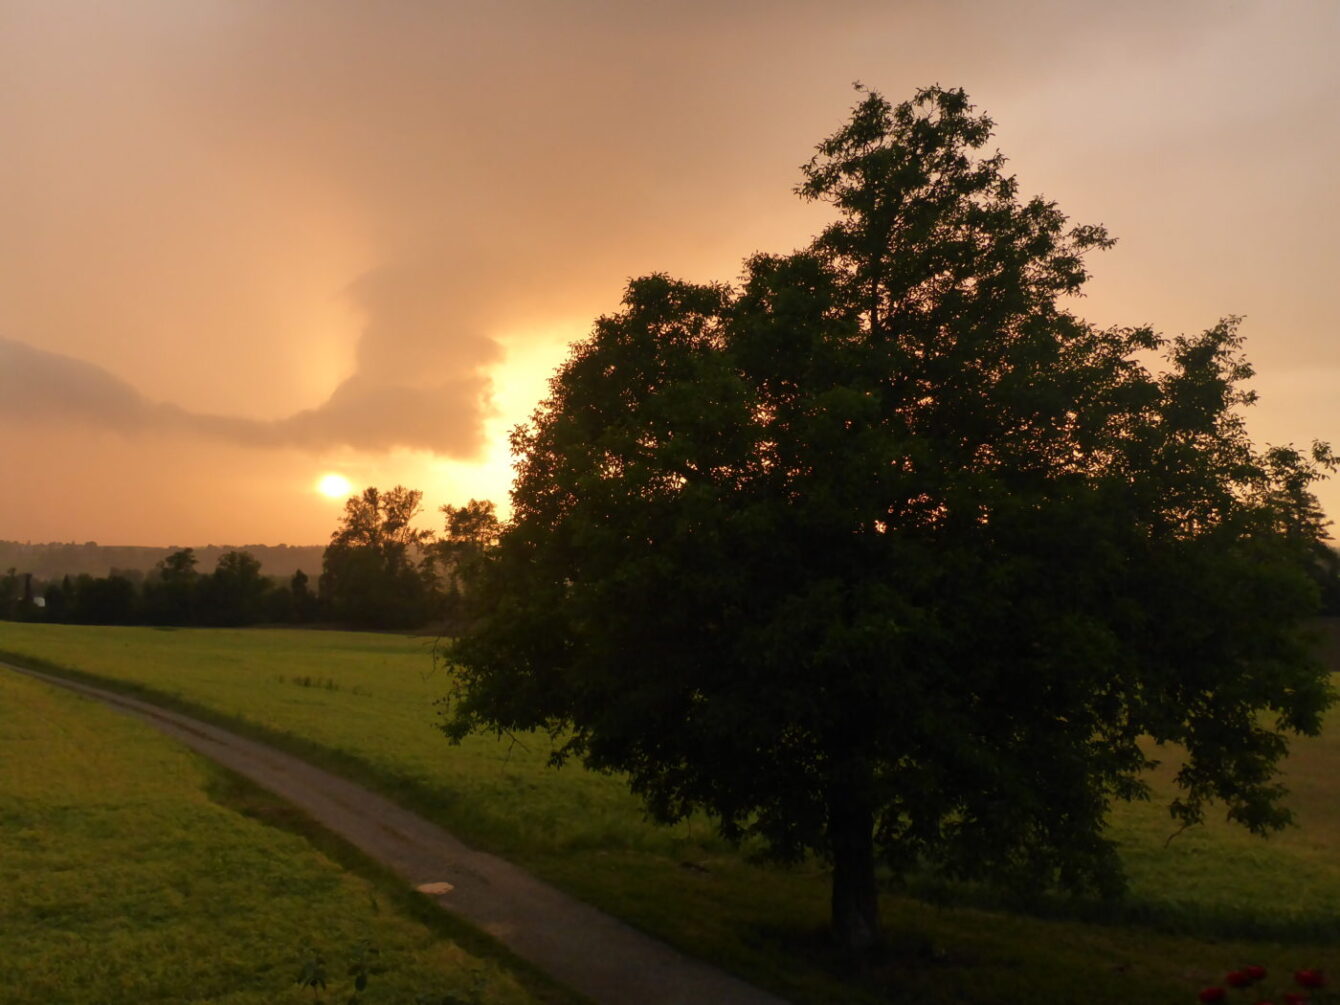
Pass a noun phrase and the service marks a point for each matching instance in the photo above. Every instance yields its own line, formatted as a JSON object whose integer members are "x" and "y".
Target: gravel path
{"x": 584, "y": 948}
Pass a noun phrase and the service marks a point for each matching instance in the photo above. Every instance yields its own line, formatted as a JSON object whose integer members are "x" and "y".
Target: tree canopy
{"x": 235, "y": 592}
{"x": 470, "y": 532}
{"x": 170, "y": 594}
{"x": 885, "y": 554}
{"x": 371, "y": 572}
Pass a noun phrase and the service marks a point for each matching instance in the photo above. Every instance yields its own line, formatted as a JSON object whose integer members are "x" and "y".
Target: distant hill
{"x": 56, "y": 559}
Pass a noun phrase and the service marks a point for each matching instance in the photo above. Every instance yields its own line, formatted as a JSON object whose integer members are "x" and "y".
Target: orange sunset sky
{"x": 244, "y": 245}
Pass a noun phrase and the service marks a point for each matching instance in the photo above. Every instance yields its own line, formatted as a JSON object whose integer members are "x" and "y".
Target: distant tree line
{"x": 53, "y": 560}
{"x": 174, "y": 592}
{"x": 379, "y": 571}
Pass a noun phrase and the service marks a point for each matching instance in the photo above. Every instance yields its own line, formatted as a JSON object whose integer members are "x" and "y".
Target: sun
{"x": 334, "y": 486}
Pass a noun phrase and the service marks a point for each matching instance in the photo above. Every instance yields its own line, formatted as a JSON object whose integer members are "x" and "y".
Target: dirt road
{"x": 584, "y": 948}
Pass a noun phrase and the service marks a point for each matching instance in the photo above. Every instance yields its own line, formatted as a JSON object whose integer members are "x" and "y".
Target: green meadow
{"x": 1210, "y": 899}
{"x": 133, "y": 871}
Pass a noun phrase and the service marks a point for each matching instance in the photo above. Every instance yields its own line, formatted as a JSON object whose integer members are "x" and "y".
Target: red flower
{"x": 1294, "y": 998}
{"x": 1213, "y": 995}
{"x": 1255, "y": 972}
{"x": 1309, "y": 978}
{"x": 1239, "y": 979}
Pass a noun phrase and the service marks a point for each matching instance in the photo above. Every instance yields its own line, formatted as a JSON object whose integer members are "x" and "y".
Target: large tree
{"x": 887, "y": 555}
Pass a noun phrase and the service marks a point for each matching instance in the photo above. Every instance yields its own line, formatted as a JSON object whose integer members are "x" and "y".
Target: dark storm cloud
{"x": 39, "y": 388}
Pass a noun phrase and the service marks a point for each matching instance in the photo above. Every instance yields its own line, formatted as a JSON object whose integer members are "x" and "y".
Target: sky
{"x": 245, "y": 245}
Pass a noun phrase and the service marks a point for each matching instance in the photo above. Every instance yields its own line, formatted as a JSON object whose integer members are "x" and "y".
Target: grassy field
{"x": 128, "y": 874}
{"x": 364, "y": 704}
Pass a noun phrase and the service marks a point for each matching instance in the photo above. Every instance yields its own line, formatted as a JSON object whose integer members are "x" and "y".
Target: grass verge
{"x": 361, "y": 705}
{"x": 128, "y": 874}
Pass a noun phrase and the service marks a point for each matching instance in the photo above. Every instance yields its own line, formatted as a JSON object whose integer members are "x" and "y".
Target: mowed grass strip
{"x": 122, "y": 880}
{"x": 1213, "y": 898}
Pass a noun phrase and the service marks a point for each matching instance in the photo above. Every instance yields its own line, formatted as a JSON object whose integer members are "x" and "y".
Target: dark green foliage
{"x": 50, "y": 561}
{"x": 234, "y": 593}
{"x": 471, "y": 531}
{"x": 107, "y": 601}
{"x": 170, "y": 594}
{"x": 57, "y": 597}
{"x": 887, "y": 553}
{"x": 10, "y": 589}
{"x": 12, "y": 594}
{"x": 373, "y": 572}
{"x": 1326, "y": 572}
{"x": 19, "y": 596}
{"x": 174, "y": 594}
{"x": 378, "y": 573}
{"x": 302, "y": 606}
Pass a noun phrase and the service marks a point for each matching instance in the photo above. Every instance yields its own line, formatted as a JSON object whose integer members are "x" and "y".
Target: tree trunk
{"x": 855, "y": 898}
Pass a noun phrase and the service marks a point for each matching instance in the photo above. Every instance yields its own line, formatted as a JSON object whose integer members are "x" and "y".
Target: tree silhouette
{"x": 887, "y": 555}
{"x": 471, "y": 532}
{"x": 371, "y": 571}
{"x": 170, "y": 593}
{"x": 233, "y": 593}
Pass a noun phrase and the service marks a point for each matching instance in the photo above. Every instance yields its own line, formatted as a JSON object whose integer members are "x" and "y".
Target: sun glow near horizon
{"x": 334, "y": 486}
